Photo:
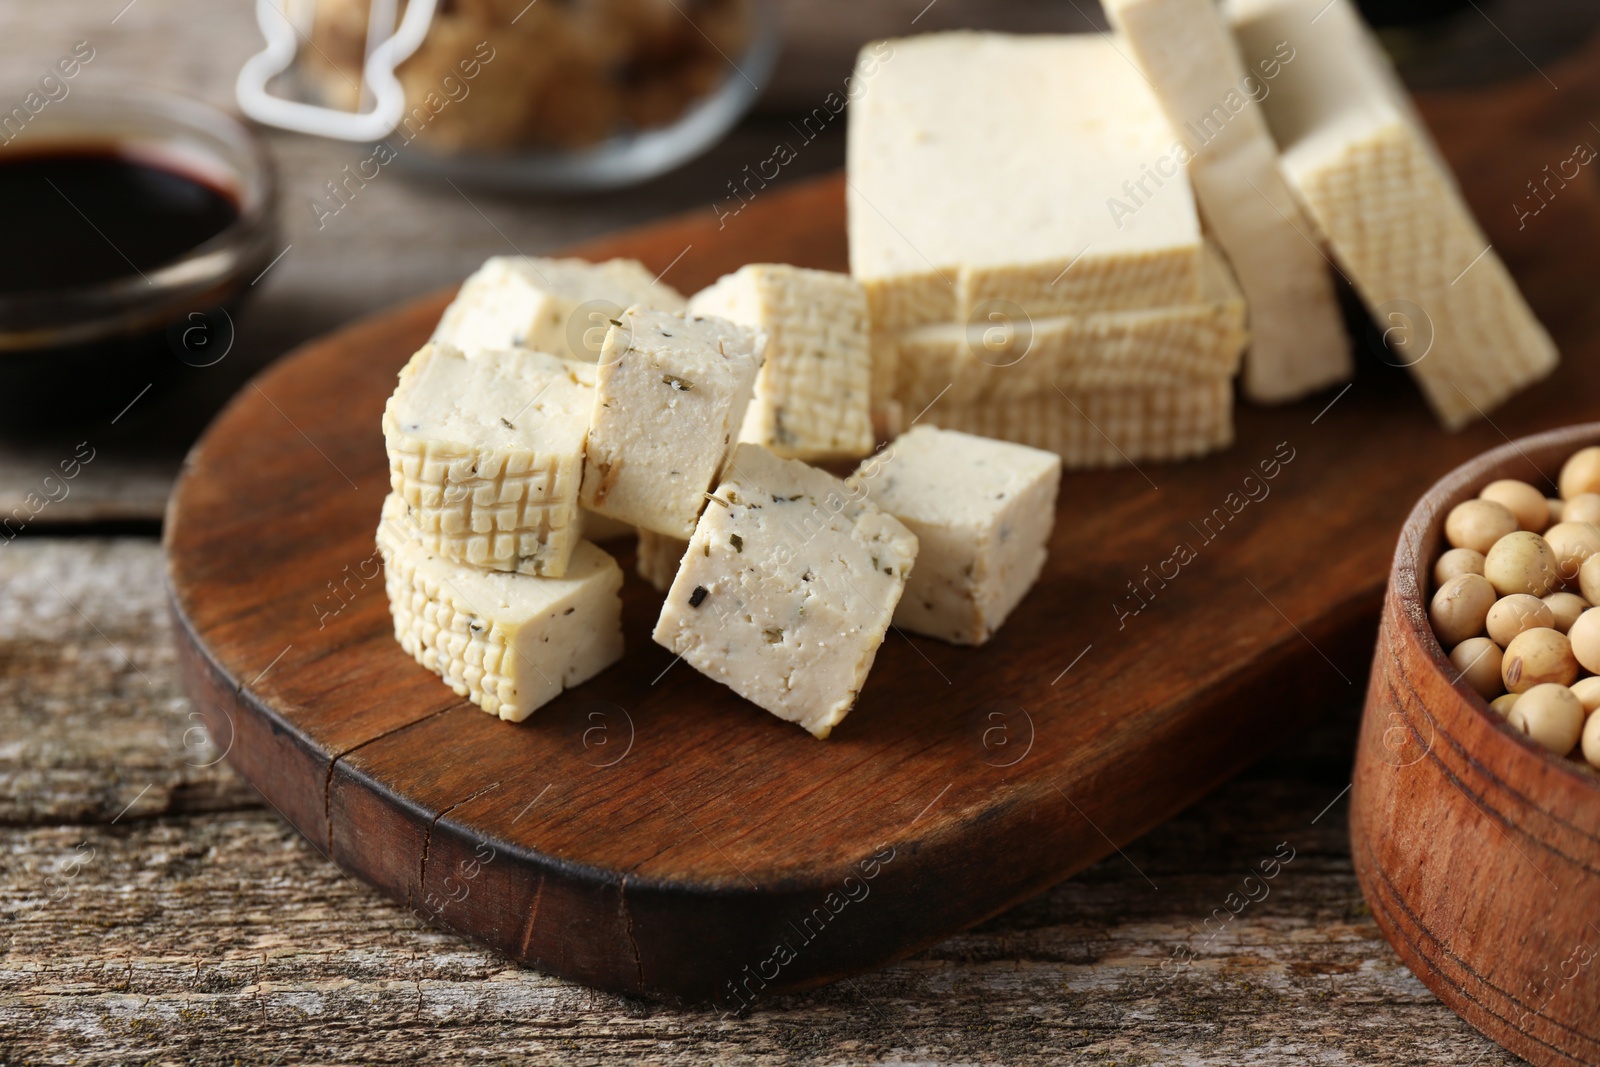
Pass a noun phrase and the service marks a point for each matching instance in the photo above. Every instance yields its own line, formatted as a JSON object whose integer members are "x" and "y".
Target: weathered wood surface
{"x": 185, "y": 923}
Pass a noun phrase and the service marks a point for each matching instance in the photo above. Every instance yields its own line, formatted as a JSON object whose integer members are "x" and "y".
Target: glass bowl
{"x": 625, "y": 158}
{"x": 65, "y": 350}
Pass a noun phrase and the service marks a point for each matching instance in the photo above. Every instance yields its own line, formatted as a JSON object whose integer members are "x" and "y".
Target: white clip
{"x": 378, "y": 80}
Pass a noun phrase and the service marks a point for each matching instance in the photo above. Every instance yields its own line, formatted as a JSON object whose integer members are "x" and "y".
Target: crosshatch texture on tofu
{"x": 982, "y": 511}
{"x": 958, "y": 195}
{"x": 1009, "y": 360}
{"x": 1373, "y": 181}
{"x": 657, "y": 558}
{"x": 487, "y": 451}
{"x": 1104, "y": 427}
{"x": 671, "y": 391}
{"x": 526, "y": 302}
{"x": 508, "y": 642}
{"x": 787, "y": 588}
{"x": 811, "y": 397}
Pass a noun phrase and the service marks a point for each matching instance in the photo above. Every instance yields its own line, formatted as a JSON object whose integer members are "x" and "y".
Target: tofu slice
{"x": 982, "y": 511}
{"x": 560, "y": 306}
{"x": 787, "y": 588}
{"x": 1104, "y": 427}
{"x": 671, "y": 391}
{"x": 983, "y": 167}
{"x": 1369, "y": 175}
{"x": 811, "y": 397}
{"x": 658, "y": 557}
{"x": 1015, "y": 360}
{"x": 487, "y": 452}
{"x": 510, "y": 643}
{"x": 1298, "y": 341}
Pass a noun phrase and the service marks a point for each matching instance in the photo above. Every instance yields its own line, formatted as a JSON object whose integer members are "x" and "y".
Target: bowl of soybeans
{"x": 1475, "y": 804}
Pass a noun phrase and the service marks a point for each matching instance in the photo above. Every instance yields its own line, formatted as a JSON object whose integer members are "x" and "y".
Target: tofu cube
{"x": 670, "y": 393}
{"x": 508, "y": 642}
{"x": 787, "y": 588}
{"x": 487, "y": 452}
{"x": 658, "y": 557}
{"x": 560, "y": 306}
{"x": 811, "y": 398}
{"x": 982, "y": 511}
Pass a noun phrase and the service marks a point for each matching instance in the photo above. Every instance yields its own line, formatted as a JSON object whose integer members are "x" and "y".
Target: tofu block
{"x": 560, "y": 306}
{"x": 1298, "y": 342}
{"x": 811, "y": 398}
{"x": 487, "y": 451}
{"x": 982, "y": 167}
{"x": 1369, "y": 175}
{"x": 508, "y": 642}
{"x": 658, "y": 558}
{"x": 982, "y": 511}
{"x": 787, "y": 588}
{"x": 671, "y": 391}
{"x": 1104, "y": 427}
{"x": 1017, "y": 359}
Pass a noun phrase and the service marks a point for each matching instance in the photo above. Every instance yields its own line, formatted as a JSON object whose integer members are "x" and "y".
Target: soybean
{"x": 1457, "y": 561}
{"x": 1460, "y": 608}
{"x": 1551, "y": 716}
{"x": 1536, "y": 657}
{"x": 1513, "y": 614}
{"x": 1478, "y": 661}
{"x": 1585, "y": 640}
{"x": 1581, "y": 473}
{"x": 1565, "y": 607}
{"x": 1478, "y": 524}
{"x": 1522, "y": 562}
{"x": 1523, "y": 501}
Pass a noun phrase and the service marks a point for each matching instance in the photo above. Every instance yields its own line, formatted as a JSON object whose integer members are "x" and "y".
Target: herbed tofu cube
{"x": 560, "y": 306}
{"x": 982, "y": 511}
{"x": 787, "y": 588}
{"x": 487, "y": 452}
{"x": 811, "y": 398}
{"x": 508, "y": 642}
{"x": 671, "y": 390}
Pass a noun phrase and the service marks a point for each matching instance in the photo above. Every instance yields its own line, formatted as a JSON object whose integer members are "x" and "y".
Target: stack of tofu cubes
{"x": 1006, "y": 298}
{"x": 1076, "y": 241}
{"x": 561, "y": 402}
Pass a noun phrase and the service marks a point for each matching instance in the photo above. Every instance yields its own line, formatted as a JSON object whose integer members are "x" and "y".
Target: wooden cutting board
{"x": 650, "y": 832}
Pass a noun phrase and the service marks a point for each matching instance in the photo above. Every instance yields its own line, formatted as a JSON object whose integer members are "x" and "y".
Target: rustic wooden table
{"x": 155, "y": 911}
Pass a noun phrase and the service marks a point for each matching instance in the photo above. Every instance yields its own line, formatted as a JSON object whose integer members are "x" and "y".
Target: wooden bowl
{"x": 1478, "y": 852}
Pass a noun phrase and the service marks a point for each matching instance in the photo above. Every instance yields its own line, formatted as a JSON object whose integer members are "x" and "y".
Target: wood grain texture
{"x": 672, "y": 871}
{"x": 205, "y": 933}
{"x": 1479, "y": 852}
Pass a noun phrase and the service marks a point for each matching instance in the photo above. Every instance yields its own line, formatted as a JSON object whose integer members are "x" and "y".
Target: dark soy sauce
{"x": 85, "y": 215}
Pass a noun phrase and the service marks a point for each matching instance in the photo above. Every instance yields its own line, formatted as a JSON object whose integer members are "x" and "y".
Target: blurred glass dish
{"x": 561, "y": 95}
{"x": 126, "y": 178}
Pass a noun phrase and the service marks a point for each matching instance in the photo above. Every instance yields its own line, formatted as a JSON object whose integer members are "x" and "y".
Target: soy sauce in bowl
{"x": 74, "y": 216}
{"x": 126, "y": 219}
